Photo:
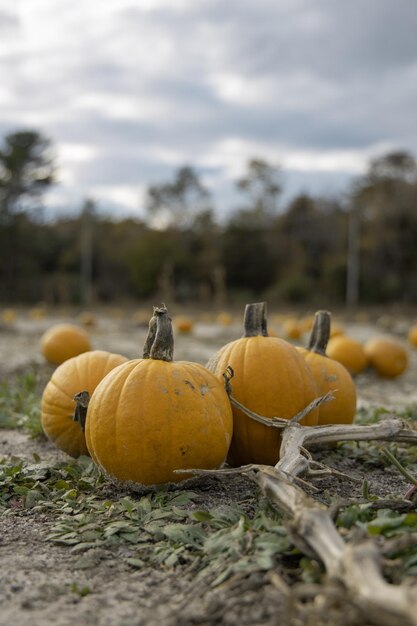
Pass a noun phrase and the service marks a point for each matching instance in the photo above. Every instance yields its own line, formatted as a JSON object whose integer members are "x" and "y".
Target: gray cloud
{"x": 147, "y": 91}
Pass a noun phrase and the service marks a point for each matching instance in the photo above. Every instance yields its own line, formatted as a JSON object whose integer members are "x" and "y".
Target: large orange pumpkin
{"x": 60, "y": 421}
{"x": 271, "y": 378}
{"x": 152, "y": 416}
{"x": 330, "y": 375}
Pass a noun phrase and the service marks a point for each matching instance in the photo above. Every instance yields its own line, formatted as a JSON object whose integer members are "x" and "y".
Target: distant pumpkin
{"x": 184, "y": 325}
{"x": 63, "y": 341}
{"x": 386, "y": 355}
{"x": 349, "y": 352}
{"x": 292, "y": 328}
{"x": 412, "y": 335}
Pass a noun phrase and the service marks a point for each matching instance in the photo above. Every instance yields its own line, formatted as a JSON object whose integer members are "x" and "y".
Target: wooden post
{"x": 86, "y": 278}
{"x": 352, "y": 270}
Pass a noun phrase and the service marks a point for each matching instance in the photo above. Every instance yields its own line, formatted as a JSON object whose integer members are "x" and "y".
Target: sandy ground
{"x": 39, "y": 580}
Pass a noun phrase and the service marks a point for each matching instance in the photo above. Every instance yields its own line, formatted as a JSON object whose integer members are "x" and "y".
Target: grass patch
{"x": 20, "y": 405}
{"x": 374, "y": 414}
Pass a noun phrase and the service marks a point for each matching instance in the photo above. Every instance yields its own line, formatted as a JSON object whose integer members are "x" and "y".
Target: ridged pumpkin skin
{"x": 329, "y": 375}
{"x": 387, "y": 356}
{"x": 270, "y": 378}
{"x": 152, "y": 416}
{"x": 64, "y": 341}
{"x": 81, "y": 373}
{"x": 348, "y": 352}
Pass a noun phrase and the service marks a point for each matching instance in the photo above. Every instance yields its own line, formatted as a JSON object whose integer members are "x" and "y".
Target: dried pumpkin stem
{"x": 254, "y": 320}
{"x": 163, "y": 345}
{"x": 320, "y": 333}
{"x": 80, "y": 412}
{"x": 150, "y": 338}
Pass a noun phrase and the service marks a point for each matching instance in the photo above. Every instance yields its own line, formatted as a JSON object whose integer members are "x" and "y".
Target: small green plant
{"x": 20, "y": 405}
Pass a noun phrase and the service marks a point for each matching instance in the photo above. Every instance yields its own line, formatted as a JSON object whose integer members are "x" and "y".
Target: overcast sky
{"x": 128, "y": 91}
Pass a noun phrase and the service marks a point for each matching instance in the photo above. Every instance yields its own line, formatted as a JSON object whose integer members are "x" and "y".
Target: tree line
{"x": 359, "y": 248}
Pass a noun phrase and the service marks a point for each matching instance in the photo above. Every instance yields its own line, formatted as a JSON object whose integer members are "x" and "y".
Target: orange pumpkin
{"x": 412, "y": 335}
{"x": 151, "y": 416}
{"x": 330, "y": 375}
{"x": 184, "y": 325}
{"x": 270, "y": 378}
{"x": 81, "y": 373}
{"x": 63, "y": 341}
{"x": 387, "y": 356}
{"x": 348, "y": 352}
{"x": 292, "y": 328}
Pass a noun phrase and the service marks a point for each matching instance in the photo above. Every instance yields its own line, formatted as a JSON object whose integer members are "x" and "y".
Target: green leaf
{"x": 387, "y": 524}
{"x": 184, "y": 534}
{"x": 185, "y": 497}
{"x": 202, "y": 516}
{"x": 135, "y": 562}
{"x": 32, "y": 498}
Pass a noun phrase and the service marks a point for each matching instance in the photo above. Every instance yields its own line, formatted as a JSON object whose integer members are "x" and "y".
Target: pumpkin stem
{"x": 254, "y": 320}
{"x": 150, "y": 338}
{"x": 162, "y": 348}
{"x": 320, "y": 333}
{"x": 80, "y": 412}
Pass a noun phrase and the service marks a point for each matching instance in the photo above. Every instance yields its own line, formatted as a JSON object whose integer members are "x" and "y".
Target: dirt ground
{"x": 40, "y": 582}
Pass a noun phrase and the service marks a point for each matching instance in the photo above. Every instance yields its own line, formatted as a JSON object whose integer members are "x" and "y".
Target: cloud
{"x": 130, "y": 91}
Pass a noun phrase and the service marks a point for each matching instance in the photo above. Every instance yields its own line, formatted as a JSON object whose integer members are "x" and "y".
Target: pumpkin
{"x": 9, "y": 316}
{"x": 60, "y": 422}
{"x": 292, "y": 328}
{"x": 270, "y": 378}
{"x": 386, "y": 355}
{"x": 330, "y": 375}
{"x": 37, "y": 313}
{"x": 336, "y": 330}
{"x": 87, "y": 318}
{"x": 63, "y": 341}
{"x": 184, "y": 325}
{"x": 348, "y": 352}
{"x": 151, "y": 416}
{"x": 412, "y": 335}
{"x": 224, "y": 319}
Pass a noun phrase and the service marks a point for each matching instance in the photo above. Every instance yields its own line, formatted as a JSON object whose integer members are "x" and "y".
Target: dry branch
{"x": 355, "y": 565}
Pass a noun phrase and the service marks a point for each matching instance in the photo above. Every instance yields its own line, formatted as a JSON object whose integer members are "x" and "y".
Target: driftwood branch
{"x": 356, "y": 565}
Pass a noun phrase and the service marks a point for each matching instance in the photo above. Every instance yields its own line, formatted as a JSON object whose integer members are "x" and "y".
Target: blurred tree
{"x": 177, "y": 203}
{"x": 184, "y": 206}
{"x": 159, "y": 259}
{"x": 307, "y": 238}
{"x": 249, "y": 244}
{"x": 262, "y": 184}
{"x": 395, "y": 167}
{"x": 384, "y": 204}
{"x": 26, "y": 171}
{"x": 208, "y": 252}
{"x": 248, "y": 255}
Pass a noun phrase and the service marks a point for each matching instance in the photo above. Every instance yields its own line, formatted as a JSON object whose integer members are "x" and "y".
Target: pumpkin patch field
{"x": 98, "y": 526}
